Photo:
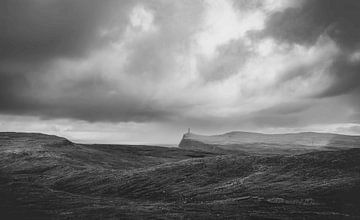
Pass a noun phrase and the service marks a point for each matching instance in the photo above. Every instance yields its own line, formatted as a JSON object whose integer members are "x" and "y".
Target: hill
{"x": 49, "y": 177}
{"x": 257, "y": 143}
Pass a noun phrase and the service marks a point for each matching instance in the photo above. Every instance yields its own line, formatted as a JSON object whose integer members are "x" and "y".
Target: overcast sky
{"x": 118, "y": 71}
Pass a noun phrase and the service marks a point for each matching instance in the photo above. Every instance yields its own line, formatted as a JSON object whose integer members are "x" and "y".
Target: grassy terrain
{"x": 48, "y": 177}
{"x": 269, "y": 144}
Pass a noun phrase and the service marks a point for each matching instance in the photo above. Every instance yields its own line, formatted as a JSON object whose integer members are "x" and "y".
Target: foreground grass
{"x": 46, "y": 177}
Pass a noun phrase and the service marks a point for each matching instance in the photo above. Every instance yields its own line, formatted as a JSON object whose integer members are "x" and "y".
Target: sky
{"x": 143, "y": 71}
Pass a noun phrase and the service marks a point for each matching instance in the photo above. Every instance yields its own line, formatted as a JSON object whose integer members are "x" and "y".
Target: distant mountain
{"x": 258, "y": 143}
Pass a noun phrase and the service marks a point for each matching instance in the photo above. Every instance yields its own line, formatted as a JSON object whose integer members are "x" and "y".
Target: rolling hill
{"x": 49, "y": 177}
{"x": 257, "y": 143}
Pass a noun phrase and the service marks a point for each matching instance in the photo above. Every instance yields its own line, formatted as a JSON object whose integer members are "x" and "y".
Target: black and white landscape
{"x": 182, "y": 109}
{"x": 49, "y": 177}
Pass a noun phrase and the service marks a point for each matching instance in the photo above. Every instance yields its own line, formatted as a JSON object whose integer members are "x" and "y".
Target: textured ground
{"x": 269, "y": 144}
{"x": 47, "y": 177}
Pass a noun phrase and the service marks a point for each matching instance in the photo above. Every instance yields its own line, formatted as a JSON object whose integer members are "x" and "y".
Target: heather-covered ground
{"x": 48, "y": 177}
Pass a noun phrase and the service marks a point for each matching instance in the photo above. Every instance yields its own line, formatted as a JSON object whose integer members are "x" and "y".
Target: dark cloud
{"x": 355, "y": 117}
{"x": 47, "y": 64}
{"x": 303, "y": 113}
{"x": 338, "y": 20}
{"x": 35, "y": 30}
{"x": 13, "y": 94}
{"x": 346, "y": 78}
{"x": 88, "y": 99}
{"x": 303, "y": 25}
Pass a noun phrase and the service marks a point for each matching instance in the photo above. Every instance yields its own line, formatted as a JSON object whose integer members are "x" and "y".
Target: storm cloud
{"x": 337, "y": 20}
{"x": 210, "y": 65}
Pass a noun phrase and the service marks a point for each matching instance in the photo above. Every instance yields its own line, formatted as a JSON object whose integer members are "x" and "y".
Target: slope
{"x": 48, "y": 177}
{"x": 257, "y": 143}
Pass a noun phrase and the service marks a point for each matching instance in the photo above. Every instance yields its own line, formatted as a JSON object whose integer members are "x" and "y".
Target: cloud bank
{"x": 210, "y": 65}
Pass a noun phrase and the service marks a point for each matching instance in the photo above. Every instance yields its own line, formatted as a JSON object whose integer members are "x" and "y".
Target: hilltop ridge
{"x": 260, "y": 143}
